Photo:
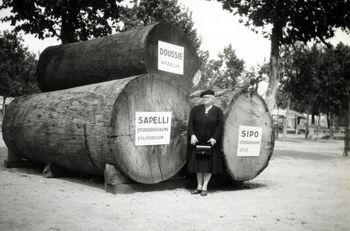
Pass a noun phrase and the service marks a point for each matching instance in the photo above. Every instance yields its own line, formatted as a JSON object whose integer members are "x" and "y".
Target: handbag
{"x": 204, "y": 150}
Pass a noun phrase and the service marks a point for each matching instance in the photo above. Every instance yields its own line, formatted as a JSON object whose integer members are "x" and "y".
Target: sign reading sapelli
{"x": 152, "y": 128}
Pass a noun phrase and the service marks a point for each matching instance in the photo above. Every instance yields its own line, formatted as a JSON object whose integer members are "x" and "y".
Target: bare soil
{"x": 305, "y": 187}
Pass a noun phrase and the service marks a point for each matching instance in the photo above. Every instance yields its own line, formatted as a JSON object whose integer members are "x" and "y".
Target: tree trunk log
{"x": 85, "y": 128}
{"x": 347, "y": 131}
{"x": 285, "y": 122}
{"x": 117, "y": 56}
{"x": 274, "y": 66}
{"x": 247, "y": 109}
{"x": 3, "y": 105}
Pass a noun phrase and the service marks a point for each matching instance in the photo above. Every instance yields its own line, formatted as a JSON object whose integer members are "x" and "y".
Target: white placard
{"x": 152, "y": 128}
{"x": 170, "y": 58}
{"x": 249, "y": 141}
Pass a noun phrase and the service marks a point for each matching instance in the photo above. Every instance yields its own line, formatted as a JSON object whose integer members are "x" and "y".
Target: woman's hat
{"x": 207, "y": 92}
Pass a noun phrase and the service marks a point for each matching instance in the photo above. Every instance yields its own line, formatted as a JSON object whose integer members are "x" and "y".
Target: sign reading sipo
{"x": 249, "y": 141}
{"x": 170, "y": 58}
{"x": 152, "y": 128}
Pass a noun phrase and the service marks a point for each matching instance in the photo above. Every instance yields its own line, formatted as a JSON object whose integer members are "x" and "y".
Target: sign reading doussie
{"x": 170, "y": 58}
{"x": 249, "y": 141}
{"x": 152, "y": 128}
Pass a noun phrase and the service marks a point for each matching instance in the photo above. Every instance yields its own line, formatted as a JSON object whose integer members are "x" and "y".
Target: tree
{"x": 69, "y": 20}
{"x": 17, "y": 67}
{"x": 291, "y": 21}
{"x": 147, "y": 12}
{"x": 232, "y": 68}
{"x": 316, "y": 80}
{"x": 77, "y": 20}
{"x": 224, "y": 72}
{"x": 342, "y": 56}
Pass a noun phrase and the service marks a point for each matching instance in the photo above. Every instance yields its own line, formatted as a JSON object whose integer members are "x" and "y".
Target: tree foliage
{"x": 317, "y": 78}
{"x": 17, "y": 67}
{"x": 69, "y": 20}
{"x": 147, "y": 12}
{"x": 299, "y": 20}
{"x": 224, "y": 72}
{"x": 286, "y": 22}
{"x": 78, "y": 20}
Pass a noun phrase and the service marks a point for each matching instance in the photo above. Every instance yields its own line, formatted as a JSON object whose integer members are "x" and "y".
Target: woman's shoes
{"x": 196, "y": 191}
{"x": 204, "y": 193}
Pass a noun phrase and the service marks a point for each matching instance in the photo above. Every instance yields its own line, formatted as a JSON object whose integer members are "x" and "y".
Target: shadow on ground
{"x": 218, "y": 183}
{"x": 303, "y": 155}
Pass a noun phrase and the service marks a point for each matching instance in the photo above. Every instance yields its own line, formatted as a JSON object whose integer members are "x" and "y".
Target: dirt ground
{"x": 305, "y": 187}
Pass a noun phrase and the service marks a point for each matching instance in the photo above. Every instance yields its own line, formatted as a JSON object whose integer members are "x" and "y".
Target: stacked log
{"x": 248, "y": 139}
{"x": 125, "y": 54}
{"x": 87, "y": 127}
{"x": 245, "y": 108}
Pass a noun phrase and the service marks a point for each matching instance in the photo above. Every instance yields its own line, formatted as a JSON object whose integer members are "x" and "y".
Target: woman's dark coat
{"x": 205, "y": 126}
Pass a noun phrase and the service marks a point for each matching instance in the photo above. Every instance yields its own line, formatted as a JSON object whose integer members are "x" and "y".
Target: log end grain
{"x": 155, "y": 163}
{"x": 247, "y": 109}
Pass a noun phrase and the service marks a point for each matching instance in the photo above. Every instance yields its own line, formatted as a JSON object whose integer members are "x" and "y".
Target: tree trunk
{"x": 244, "y": 158}
{"x": 68, "y": 17}
{"x": 318, "y": 126}
{"x": 347, "y": 131}
{"x": 67, "y": 31}
{"x": 276, "y": 128}
{"x": 331, "y": 129}
{"x": 274, "y": 66}
{"x": 87, "y": 127}
{"x": 3, "y": 105}
{"x": 285, "y": 124}
{"x": 307, "y": 126}
{"x": 117, "y": 56}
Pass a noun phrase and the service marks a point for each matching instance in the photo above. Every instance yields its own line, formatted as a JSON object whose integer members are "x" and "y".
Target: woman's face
{"x": 208, "y": 100}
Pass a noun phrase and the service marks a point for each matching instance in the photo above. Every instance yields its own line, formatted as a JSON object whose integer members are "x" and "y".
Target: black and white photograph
{"x": 188, "y": 115}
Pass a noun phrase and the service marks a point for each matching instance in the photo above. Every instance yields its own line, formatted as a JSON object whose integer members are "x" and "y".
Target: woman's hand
{"x": 212, "y": 141}
{"x": 194, "y": 140}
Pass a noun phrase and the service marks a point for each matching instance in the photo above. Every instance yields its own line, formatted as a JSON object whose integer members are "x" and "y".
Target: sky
{"x": 217, "y": 27}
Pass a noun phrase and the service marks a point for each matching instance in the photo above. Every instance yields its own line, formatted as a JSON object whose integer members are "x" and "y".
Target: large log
{"x": 121, "y": 55}
{"x": 243, "y": 161}
{"x": 87, "y": 127}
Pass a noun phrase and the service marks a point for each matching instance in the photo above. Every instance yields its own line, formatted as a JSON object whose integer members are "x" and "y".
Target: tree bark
{"x": 347, "y": 131}
{"x": 117, "y": 56}
{"x": 247, "y": 109}
{"x": 331, "y": 129}
{"x": 274, "y": 66}
{"x": 87, "y": 127}
{"x": 285, "y": 124}
{"x": 68, "y": 17}
{"x": 318, "y": 126}
{"x": 307, "y": 130}
{"x": 3, "y": 105}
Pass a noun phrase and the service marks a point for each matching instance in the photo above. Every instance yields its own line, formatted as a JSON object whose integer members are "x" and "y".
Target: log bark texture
{"x": 121, "y": 55}
{"x": 85, "y": 128}
{"x": 247, "y": 109}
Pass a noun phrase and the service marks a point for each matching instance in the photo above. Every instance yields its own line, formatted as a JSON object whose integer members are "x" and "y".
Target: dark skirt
{"x": 203, "y": 163}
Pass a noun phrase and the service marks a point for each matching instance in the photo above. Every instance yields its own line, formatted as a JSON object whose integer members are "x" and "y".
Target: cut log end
{"x": 150, "y": 163}
{"x": 247, "y": 109}
{"x": 84, "y": 128}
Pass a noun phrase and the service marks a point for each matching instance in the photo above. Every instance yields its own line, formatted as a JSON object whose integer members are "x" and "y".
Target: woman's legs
{"x": 199, "y": 180}
{"x": 203, "y": 180}
{"x": 206, "y": 178}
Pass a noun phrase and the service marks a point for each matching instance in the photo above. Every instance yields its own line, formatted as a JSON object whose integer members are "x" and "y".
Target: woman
{"x": 205, "y": 128}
